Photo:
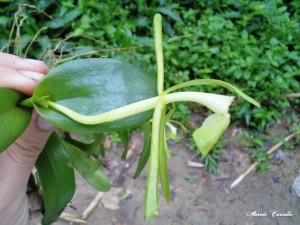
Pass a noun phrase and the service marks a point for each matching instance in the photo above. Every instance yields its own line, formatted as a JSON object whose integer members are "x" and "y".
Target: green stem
{"x": 109, "y": 116}
{"x": 212, "y": 82}
{"x": 216, "y": 103}
{"x": 151, "y": 201}
{"x": 27, "y": 102}
{"x": 159, "y": 52}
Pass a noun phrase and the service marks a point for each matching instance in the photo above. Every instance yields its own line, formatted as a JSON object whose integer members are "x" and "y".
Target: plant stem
{"x": 216, "y": 103}
{"x": 151, "y": 201}
{"x": 109, "y": 116}
{"x": 212, "y": 82}
{"x": 27, "y": 102}
{"x": 157, "y": 21}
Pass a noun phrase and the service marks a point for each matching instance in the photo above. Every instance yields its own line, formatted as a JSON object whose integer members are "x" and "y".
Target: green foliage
{"x": 251, "y": 140}
{"x": 254, "y": 45}
{"x": 87, "y": 87}
{"x": 89, "y": 168}
{"x": 56, "y": 177}
{"x": 211, "y": 160}
{"x": 146, "y": 149}
{"x": 14, "y": 118}
{"x": 124, "y": 135}
{"x": 73, "y": 92}
{"x": 254, "y": 142}
{"x": 261, "y": 157}
{"x": 191, "y": 178}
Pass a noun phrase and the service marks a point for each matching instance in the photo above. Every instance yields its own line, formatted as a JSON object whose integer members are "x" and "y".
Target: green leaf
{"x": 56, "y": 177}
{"x": 213, "y": 82}
{"x": 13, "y": 118}
{"x": 92, "y": 144}
{"x": 146, "y": 149}
{"x": 163, "y": 168}
{"x": 64, "y": 20}
{"x": 124, "y": 135}
{"x": 172, "y": 133}
{"x": 92, "y": 87}
{"x": 169, "y": 115}
{"x": 170, "y": 13}
{"x": 82, "y": 141}
{"x": 97, "y": 149}
{"x": 88, "y": 168}
{"x": 210, "y": 132}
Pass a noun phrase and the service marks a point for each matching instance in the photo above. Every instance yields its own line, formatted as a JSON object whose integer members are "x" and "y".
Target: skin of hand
{"x": 17, "y": 161}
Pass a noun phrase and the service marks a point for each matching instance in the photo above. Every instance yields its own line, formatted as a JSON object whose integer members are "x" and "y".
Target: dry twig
{"x": 87, "y": 212}
{"x": 71, "y": 218}
{"x": 254, "y": 165}
{"x": 195, "y": 164}
{"x": 293, "y": 95}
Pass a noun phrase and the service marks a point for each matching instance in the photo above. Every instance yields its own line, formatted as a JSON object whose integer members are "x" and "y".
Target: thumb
{"x": 16, "y": 164}
{"x": 26, "y": 149}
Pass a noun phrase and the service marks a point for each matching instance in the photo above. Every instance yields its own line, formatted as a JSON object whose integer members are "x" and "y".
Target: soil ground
{"x": 205, "y": 200}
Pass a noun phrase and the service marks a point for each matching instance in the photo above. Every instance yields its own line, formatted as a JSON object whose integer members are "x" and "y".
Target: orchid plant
{"x": 93, "y": 96}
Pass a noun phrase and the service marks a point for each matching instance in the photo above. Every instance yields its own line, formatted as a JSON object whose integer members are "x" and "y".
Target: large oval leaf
{"x": 13, "y": 118}
{"x": 56, "y": 177}
{"x": 91, "y": 87}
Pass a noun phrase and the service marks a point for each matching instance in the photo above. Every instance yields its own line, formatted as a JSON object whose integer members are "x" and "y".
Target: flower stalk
{"x": 216, "y": 103}
{"x": 157, "y": 21}
{"x": 151, "y": 202}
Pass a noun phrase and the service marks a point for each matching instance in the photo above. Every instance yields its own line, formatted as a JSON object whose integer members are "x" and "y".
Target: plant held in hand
{"x": 93, "y": 96}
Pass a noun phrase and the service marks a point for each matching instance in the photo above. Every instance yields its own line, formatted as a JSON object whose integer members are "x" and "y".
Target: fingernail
{"x": 38, "y": 63}
{"x": 43, "y": 125}
{"x": 32, "y": 75}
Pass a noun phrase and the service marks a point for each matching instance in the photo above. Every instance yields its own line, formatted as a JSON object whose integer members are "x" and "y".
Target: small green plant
{"x": 94, "y": 96}
{"x": 261, "y": 157}
{"x": 211, "y": 160}
{"x": 250, "y": 139}
{"x": 191, "y": 178}
{"x": 125, "y": 194}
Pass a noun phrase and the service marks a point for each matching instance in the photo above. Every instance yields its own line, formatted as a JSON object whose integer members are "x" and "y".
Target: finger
{"x": 42, "y": 67}
{"x": 32, "y": 75}
{"x": 18, "y": 63}
{"x": 22, "y": 81}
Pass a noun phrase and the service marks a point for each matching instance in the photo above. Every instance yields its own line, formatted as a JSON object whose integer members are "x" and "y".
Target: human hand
{"x": 17, "y": 161}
